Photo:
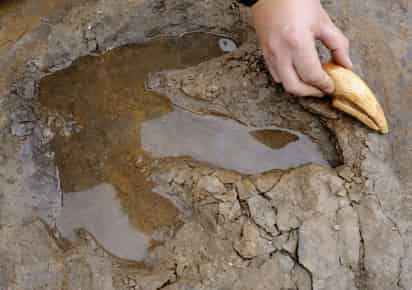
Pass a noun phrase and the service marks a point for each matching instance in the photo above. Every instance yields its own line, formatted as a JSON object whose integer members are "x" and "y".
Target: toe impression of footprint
{"x": 354, "y": 97}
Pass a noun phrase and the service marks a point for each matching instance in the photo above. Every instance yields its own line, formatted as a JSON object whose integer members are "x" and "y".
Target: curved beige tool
{"x": 354, "y": 97}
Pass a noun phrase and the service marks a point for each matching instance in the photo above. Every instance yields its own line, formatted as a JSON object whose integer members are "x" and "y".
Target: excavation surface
{"x": 210, "y": 219}
{"x": 99, "y": 104}
{"x": 110, "y": 130}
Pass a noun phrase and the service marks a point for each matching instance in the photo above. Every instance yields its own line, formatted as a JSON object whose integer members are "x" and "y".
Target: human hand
{"x": 287, "y": 30}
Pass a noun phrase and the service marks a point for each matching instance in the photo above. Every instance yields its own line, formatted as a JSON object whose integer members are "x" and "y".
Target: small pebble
{"x": 227, "y": 44}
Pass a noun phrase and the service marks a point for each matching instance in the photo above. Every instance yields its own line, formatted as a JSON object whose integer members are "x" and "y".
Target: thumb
{"x": 337, "y": 43}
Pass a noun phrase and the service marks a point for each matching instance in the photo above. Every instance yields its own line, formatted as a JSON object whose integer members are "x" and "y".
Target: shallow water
{"x": 106, "y": 98}
{"x": 228, "y": 144}
{"x": 275, "y": 138}
{"x": 99, "y": 211}
{"x": 120, "y": 129}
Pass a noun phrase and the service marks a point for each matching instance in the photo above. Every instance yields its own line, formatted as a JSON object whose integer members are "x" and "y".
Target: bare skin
{"x": 287, "y": 30}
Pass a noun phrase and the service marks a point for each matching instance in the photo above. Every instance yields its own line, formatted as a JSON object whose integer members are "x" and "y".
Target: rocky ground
{"x": 304, "y": 228}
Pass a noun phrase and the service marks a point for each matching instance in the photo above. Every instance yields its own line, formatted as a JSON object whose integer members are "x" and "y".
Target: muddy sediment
{"x": 108, "y": 130}
{"x": 274, "y": 138}
{"x": 77, "y": 131}
{"x": 96, "y": 109}
{"x": 100, "y": 104}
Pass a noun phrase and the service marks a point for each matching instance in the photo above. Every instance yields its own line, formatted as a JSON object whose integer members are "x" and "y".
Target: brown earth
{"x": 310, "y": 227}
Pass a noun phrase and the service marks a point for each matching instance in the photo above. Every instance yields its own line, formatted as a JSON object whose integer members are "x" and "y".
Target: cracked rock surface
{"x": 309, "y": 227}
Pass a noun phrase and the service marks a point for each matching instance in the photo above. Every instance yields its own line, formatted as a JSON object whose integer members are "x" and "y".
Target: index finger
{"x": 309, "y": 68}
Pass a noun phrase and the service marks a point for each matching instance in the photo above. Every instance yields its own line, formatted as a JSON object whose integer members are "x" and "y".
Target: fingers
{"x": 274, "y": 74}
{"x": 308, "y": 66}
{"x": 292, "y": 58}
{"x": 271, "y": 67}
{"x": 292, "y": 83}
{"x": 283, "y": 71}
{"x": 336, "y": 41}
{"x": 298, "y": 69}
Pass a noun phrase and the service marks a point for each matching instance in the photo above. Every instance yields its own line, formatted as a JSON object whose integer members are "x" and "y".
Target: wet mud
{"x": 96, "y": 143}
{"x": 111, "y": 130}
{"x": 274, "y": 139}
{"x": 100, "y": 104}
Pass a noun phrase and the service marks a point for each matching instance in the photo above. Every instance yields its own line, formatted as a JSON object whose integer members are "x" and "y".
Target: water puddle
{"x": 228, "y": 144}
{"x": 99, "y": 211}
{"x": 114, "y": 130}
{"x": 275, "y": 138}
{"x": 104, "y": 96}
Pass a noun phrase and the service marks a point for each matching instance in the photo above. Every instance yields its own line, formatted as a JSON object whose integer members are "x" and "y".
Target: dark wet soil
{"x": 273, "y": 138}
{"x": 106, "y": 98}
{"x": 110, "y": 131}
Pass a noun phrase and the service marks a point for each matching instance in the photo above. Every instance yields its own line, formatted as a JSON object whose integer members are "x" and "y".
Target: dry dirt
{"x": 348, "y": 226}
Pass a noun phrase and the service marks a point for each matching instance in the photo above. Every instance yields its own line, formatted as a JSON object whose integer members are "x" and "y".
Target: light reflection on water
{"x": 105, "y": 166}
{"x": 99, "y": 211}
{"x": 228, "y": 144}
